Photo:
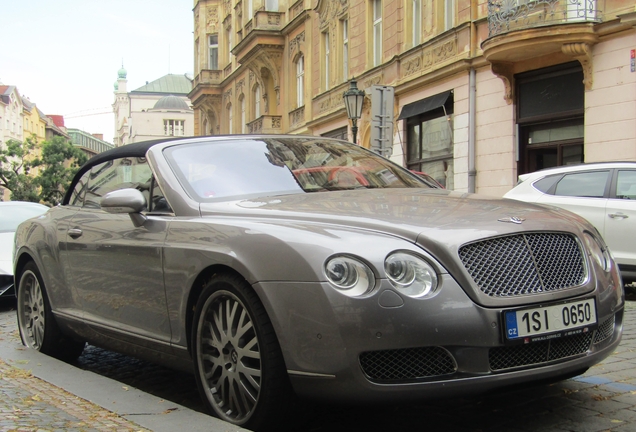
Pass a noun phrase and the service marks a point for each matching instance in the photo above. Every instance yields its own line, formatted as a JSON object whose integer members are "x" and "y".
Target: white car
{"x": 603, "y": 193}
{"x": 12, "y": 213}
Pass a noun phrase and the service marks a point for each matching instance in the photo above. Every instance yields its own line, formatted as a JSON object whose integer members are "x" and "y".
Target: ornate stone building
{"x": 155, "y": 110}
{"x": 481, "y": 90}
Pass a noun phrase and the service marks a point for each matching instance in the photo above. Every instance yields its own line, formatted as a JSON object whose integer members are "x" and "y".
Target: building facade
{"x": 158, "y": 109}
{"x": 481, "y": 91}
{"x": 91, "y": 144}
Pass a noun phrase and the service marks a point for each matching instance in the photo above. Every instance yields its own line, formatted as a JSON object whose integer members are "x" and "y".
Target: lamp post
{"x": 353, "y": 99}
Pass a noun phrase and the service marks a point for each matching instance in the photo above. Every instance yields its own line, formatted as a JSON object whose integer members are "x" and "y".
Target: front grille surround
{"x": 525, "y": 264}
{"x": 407, "y": 364}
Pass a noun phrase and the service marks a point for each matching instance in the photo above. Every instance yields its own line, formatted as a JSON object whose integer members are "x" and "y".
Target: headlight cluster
{"x": 408, "y": 273}
{"x": 350, "y": 276}
{"x": 598, "y": 250}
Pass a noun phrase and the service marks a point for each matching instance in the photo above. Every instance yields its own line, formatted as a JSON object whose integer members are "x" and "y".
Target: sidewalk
{"x": 39, "y": 393}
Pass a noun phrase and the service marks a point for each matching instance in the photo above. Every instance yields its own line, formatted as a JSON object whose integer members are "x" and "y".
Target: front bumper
{"x": 360, "y": 349}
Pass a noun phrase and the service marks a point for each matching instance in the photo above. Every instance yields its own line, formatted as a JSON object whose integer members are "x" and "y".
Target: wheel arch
{"x": 196, "y": 290}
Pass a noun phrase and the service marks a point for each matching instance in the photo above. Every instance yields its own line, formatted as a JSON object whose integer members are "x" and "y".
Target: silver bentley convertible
{"x": 274, "y": 266}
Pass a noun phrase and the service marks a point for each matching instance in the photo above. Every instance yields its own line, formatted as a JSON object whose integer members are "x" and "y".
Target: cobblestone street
{"x": 603, "y": 399}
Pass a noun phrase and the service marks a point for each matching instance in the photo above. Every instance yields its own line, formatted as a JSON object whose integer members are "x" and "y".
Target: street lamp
{"x": 353, "y": 99}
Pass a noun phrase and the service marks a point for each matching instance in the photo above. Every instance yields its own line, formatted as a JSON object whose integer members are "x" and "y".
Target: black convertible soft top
{"x": 138, "y": 149}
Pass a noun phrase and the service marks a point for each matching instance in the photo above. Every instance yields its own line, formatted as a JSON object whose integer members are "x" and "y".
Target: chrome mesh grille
{"x": 539, "y": 352}
{"x": 407, "y": 364}
{"x": 524, "y": 264}
{"x": 605, "y": 330}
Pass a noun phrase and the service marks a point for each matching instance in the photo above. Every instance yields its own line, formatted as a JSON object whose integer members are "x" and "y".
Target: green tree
{"x": 16, "y": 163}
{"x": 58, "y": 163}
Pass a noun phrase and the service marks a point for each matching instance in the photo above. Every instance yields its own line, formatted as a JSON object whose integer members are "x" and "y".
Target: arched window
{"x": 229, "y": 118}
{"x": 300, "y": 81}
{"x": 257, "y": 101}
{"x": 243, "y": 117}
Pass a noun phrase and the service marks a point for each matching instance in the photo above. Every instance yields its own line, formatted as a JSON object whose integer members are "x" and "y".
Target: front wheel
{"x": 38, "y": 329}
{"x": 239, "y": 367}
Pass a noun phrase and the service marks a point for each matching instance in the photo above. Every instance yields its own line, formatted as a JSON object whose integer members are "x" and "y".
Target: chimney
{"x": 99, "y": 136}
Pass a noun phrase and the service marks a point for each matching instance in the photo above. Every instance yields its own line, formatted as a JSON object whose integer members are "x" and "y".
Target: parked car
{"x": 11, "y": 214}
{"x": 603, "y": 193}
{"x": 428, "y": 179}
{"x": 245, "y": 260}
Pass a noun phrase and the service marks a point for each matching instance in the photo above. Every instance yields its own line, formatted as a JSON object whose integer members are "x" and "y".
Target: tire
{"x": 37, "y": 325}
{"x": 239, "y": 367}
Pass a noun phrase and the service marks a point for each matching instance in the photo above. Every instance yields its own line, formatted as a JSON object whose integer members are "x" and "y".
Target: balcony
{"x": 297, "y": 118}
{"x": 208, "y": 76}
{"x": 510, "y": 15}
{"x": 266, "y": 124}
{"x": 526, "y": 31}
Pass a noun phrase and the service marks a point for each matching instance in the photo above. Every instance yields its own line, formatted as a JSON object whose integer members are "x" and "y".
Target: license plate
{"x": 560, "y": 320}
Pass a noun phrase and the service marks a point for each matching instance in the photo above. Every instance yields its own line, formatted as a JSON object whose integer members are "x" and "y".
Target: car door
{"x": 584, "y": 193}
{"x": 620, "y": 221}
{"x": 116, "y": 268}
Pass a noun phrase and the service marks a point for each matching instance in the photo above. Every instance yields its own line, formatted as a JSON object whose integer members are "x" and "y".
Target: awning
{"x": 424, "y": 105}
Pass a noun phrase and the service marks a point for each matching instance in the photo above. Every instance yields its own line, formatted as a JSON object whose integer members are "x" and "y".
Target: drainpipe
{"x": 472, "y": 100}
{"x": 472, "y": 133}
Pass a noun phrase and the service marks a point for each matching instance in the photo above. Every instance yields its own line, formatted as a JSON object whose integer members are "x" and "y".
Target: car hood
{"x": 6, "y": 253}
{"x": 418, "y": 215}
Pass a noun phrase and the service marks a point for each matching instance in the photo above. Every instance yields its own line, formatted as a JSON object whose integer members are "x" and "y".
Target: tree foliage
{"x": 39, "y": 176}
{"x": 59, "y": 162}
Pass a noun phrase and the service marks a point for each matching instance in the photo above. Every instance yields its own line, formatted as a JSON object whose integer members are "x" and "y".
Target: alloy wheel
{"x": 31, "y": 310}
{"x": 229, "y": 357}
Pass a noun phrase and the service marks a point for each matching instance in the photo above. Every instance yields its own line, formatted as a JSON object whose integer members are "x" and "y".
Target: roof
{"x": 578, "y": 167}
{"x": 172, "y": 84}
{"x": 172, "y": 102}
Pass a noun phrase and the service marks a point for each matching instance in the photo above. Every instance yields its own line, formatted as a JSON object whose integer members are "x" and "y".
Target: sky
{"x": 64, "y": 55}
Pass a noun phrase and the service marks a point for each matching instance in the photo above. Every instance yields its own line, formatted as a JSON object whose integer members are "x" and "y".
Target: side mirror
{"x": 129, "y": 201}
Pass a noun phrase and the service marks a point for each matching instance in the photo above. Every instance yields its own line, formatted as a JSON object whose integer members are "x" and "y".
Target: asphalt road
{"x": 603, "y": 399}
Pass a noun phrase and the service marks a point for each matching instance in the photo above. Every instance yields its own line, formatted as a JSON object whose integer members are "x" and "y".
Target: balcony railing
{"x": 510, "y": 15}
{"x": 297, "y": 117}
{"x": 208, "y": 76}
{"x": 265, "y": 124}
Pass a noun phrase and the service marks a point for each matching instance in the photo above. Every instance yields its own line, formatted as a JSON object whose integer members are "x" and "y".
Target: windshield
{"x": 222, "y": 170}
{"x": 12, "y": 215}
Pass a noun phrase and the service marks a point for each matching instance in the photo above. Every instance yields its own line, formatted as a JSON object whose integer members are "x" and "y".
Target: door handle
{"x": 75, "y": 232}
{"x": 618, "y": 215}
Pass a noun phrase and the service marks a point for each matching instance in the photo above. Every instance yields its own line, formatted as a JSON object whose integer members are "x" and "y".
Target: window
{"x": 173, "y": 127}
{"x": 377, "y": 32}
{"x": 345, "y": 49}
{"x": 229, "y": 45}
{"x": 114, "y": 175}
{"x": 213, "y": 46}
{"x": 551, "y": 117}
{"x": 416, "y": 22}
{"x": 300, "y": 81}
{"x": 626, "y": 185}
{"x": 243, "y": 116}
{"x": 587, "y": 184}
{"x": 257, "y": 102}
{"x": 250, "y": 10}
{"x": 449, "y": 14}
{"x": 429, "y": 137}
{"x": 326, "y": 63}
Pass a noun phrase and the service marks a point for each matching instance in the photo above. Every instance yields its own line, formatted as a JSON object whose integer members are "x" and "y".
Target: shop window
{"x": 550, "y": 116}
{"x": 429, "y": 136}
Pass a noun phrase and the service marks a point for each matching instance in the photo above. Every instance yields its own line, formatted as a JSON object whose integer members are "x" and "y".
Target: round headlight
{"x": 598, "y": 251}
{"x": 410, "y": 274}
{"x": 349, "y": 276}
